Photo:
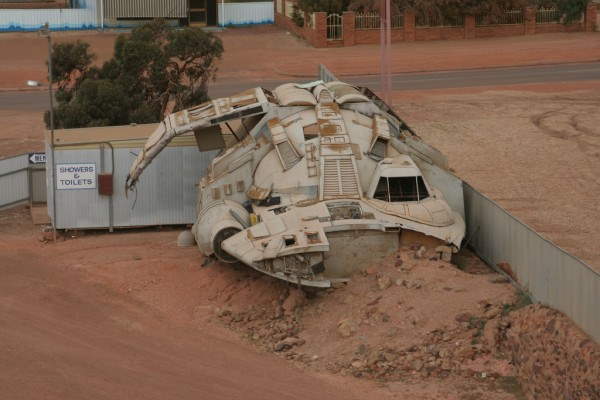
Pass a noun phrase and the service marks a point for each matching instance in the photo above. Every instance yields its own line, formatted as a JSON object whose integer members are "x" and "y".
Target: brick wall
{"x": 498, "y": 31}
{"x": 317, "y": 35}
{"x": 442, "y": 33}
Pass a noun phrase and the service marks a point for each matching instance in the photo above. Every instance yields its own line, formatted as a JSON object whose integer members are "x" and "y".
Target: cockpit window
{"x": 401, "y": 189}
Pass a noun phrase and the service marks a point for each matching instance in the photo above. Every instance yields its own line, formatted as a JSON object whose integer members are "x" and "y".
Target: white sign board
{"x": 37, "y": 158}
{"x": 75, "y": 176}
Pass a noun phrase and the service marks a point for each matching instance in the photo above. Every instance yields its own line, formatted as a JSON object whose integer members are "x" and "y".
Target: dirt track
{"x": 68, "y": 332}
{"x": 537, "y": 154}
{"x": 131, "y": 315}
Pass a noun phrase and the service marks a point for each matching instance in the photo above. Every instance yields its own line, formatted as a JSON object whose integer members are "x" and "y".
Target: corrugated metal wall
{"x": 551, "y": 275}
{"x": 14, "y": 180}
{"x": 146, "y": 8}
{"x": 165, "y": 195}
{"x": 86, "y": 17}
{"x": 247, "y": 13}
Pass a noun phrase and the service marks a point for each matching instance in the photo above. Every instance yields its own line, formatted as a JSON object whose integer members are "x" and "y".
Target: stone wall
{"x": 554, "y": 359}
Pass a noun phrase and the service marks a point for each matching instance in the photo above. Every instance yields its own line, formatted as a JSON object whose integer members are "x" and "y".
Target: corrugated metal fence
{"x": 548, "y": 273}
{"x": 146, "y": 8}
{"x": 85, "y": 17}
{"x": 246, "y": 13}
{"x": 20, "y": 181}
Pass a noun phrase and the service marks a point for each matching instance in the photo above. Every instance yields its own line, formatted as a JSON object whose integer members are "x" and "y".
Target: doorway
{"x": 203, "y": 12}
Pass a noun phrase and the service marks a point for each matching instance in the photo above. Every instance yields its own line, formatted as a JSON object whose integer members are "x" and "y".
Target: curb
{"x": 416, "y": 71}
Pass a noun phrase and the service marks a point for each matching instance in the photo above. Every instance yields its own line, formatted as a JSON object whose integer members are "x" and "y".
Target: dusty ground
{"x": 537, "y": 154}
{"x": 123, "y": 316}
{"x": 102, "y": 315}
{"x": 275, "y": 53}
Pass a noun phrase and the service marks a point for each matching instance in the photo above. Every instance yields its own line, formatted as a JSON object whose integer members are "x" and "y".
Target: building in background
{"x": 103, "y": 14}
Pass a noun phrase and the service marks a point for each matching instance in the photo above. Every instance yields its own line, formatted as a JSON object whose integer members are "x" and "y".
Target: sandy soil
{"x": 131, "y": 315}
{"x": 123, "y": 316}
{"x": 23, "y": 132}
{"x": 536, "y": 154}
{"x": 276, "y": 53}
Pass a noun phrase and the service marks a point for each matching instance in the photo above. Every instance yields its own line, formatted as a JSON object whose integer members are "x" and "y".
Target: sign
{"x": 75, "y": 176}
{"x": 37, "y": 158}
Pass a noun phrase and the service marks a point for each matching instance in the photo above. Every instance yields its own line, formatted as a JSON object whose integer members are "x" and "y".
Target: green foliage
{"x": 523, "y": 299}
{"x": 571, "y": 9}
{"x": 328, "y": 6}
{"x": 298, "y": 17}
{"x": 154, "y": 69}
{"x": 69, "y": 63}
{"x": 447, "y": 8}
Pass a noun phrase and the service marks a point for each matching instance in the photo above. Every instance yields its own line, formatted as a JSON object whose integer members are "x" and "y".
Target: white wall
{"x": 245, "y": 13}
{"x": 85, "y": 17}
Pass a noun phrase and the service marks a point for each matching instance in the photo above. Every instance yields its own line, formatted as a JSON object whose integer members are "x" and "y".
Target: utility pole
{"x": 45, "y": 32}
{"x": 385, "y": 49}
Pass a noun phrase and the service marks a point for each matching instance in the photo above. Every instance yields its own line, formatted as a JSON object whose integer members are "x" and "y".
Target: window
{"x": 401, "y": 189}
{"x": 378, "y": 149}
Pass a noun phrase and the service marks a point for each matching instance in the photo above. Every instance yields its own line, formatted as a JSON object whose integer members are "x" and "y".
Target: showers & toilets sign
{"x": 75, "y": 176}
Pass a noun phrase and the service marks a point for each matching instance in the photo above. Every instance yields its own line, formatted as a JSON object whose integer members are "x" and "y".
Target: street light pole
{"x": 45, "y": 32}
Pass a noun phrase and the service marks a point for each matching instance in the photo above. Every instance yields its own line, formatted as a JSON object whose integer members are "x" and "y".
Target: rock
{"x": 499, "y": 279}
{"x": 445, "y": 253}
{"x": 420, "y": 253}
{"x": 358, "y": 364}
{"x": 398, "y": 262}
{"x": 417, "y": 365}
{"x": 384, "y": 282}
{"x": 288, "y": 343}
{"x": 362, "y": 349}
{"x": 490, "y": 332}
{"x": 492, "y": 313}
{"x": 463, "y": 317}
{"x": 346, "y": 328}
{"x": 294, "y": 300}
{"x": 186, "y": 239}
{"x": 371, "y": 271}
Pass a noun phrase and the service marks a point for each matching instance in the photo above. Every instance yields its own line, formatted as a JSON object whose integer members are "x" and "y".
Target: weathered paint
{"x": 246, "y": 13}
{"x": 85, "y": 16}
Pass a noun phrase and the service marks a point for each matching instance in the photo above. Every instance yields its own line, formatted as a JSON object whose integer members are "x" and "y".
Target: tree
{"x": 571, "y": 9}
{"x": 446, "y": 8}
{"x": 154, "y": 70}
{"x": 328, "y": 6}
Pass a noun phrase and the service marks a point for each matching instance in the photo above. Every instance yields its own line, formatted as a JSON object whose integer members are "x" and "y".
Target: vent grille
{"x": 339, "y": 178}
{"x": 288, "y": 156}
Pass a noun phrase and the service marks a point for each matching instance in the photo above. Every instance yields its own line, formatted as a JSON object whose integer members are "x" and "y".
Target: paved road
{"x": 406, "y": 81}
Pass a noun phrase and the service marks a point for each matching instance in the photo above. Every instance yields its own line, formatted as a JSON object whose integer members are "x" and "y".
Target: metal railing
{"x": 334, "y": 27}
{"x": 547, "y": 16}
{"x": 439, "y": 21}
{"x": 372, "y": 20}
{"x": 509, "y": 17}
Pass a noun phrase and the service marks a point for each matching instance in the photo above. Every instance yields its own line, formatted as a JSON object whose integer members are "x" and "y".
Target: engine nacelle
{"x": 218, "y": 222}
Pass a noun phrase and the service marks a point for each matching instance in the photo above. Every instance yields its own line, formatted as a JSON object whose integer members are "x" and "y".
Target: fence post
{"x": 348, "y": 22}
{"x": 469, "y": 26}
{"x": 591, "y": 13}
{"x": 529, "y": 20}
{"x": 409, "y": 25}
{"x": 320, "y": 34}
